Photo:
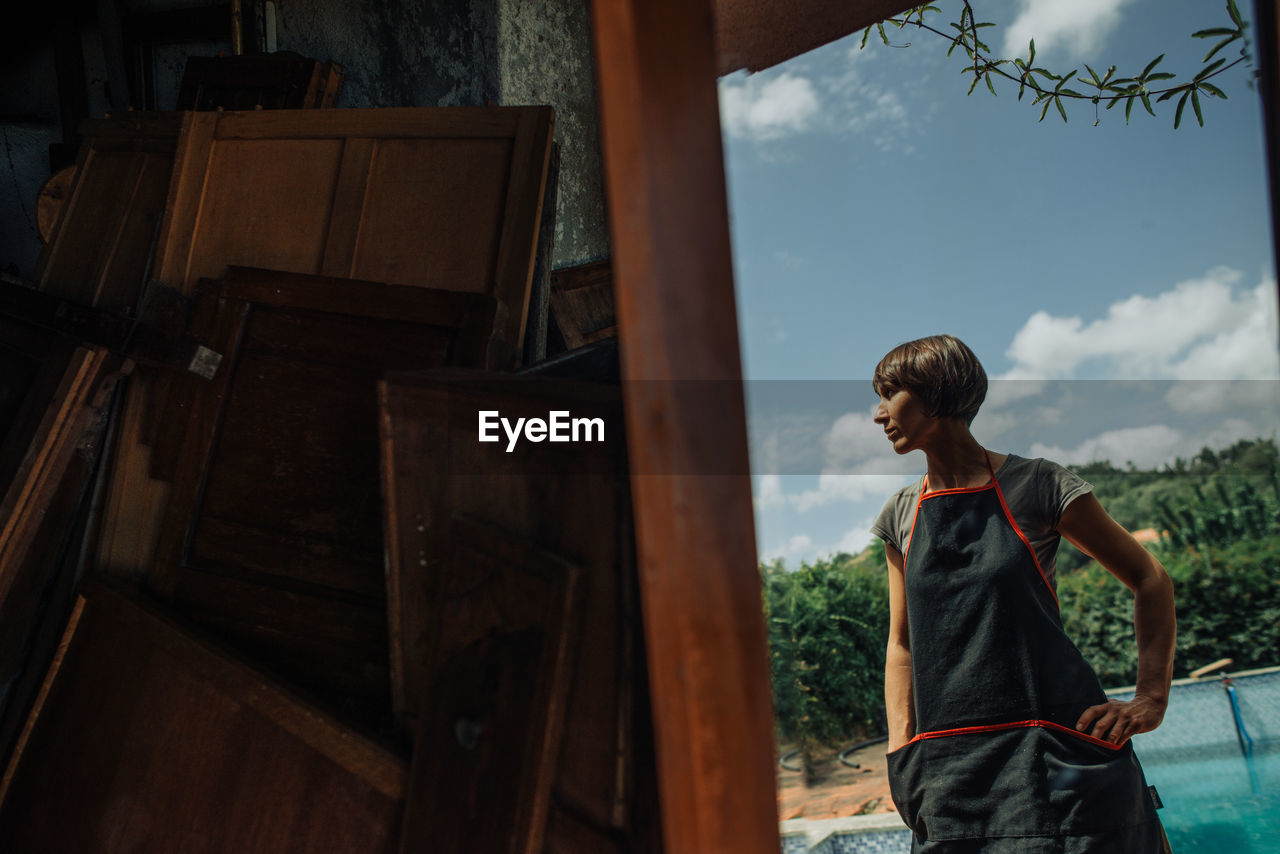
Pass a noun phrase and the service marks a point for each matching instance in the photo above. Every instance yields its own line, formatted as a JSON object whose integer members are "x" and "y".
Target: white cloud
{"x": 865, "y": 104}
{"x": 851, "y": 488}
{"x": 1145, "y": 447}
{"x": 769, "y": 493}
{"x": 1154, "y": 445}
{"x": 767, "y": 107}
{"x": 1201, "y": 329}
{"x": 1214, "y": 397}
{"x": 856, "y": 538}
{"x": 1074, "y": 30}
{"x": 795, "y": 549}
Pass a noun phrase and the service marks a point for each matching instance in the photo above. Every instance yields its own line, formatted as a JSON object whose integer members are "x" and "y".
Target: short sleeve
{"x": 1058, "y": 487}
{"x": 886, "y": 524}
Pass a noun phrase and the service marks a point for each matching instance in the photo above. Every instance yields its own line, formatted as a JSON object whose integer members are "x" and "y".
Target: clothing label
{"x": 1155, "y": 797}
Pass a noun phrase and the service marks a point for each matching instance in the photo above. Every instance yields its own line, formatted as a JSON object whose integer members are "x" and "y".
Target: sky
{"x": 1116, "y": 280}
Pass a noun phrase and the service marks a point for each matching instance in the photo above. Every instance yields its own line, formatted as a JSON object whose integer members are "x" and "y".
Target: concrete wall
{"x": 545, "y": 57}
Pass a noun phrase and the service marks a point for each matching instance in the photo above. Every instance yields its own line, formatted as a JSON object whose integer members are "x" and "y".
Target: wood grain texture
{"x": 446, "y": 198}
{"x": 582, "y": 304}
{"x": 59, "y": 392}
{"x": 757, "y": 34}
{"x": 272, "y": 532}
{"x": 501, "y": 648}
{"x": 81, "y": 396}
{"x": 155, "y": 741}
{"x": 700, "y": 587}
{"x": 101, "y": 245}
{"x": 568, "y": 500}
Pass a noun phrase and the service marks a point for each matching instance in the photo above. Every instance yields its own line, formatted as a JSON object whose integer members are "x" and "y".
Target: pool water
{"x": 1215, "y": 801}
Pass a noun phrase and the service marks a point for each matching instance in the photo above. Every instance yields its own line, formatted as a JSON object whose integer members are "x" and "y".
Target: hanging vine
{"x": 1049, "y": 89}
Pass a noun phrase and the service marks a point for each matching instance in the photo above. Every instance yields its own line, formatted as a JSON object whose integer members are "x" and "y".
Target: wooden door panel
{"x": 574, "y": 506}
{"x": 446, "y": 197}
{"x": 99, "y": 251}
{"x": 266, "y": 203}
{"x": 272, "y": 534}
{"x": 155, "y": 742}
{"x": 433, "y": 213}
{"x": 501, "y": 649}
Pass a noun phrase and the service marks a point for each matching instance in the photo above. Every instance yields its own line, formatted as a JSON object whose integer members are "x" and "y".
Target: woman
{"x": 1000, "y": 737}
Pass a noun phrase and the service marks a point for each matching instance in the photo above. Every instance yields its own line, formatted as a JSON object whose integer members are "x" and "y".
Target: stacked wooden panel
{"x": 486, "y": 610}
{"x": 490, "y": 552}
{"x": 146, "y": 738}
{"x": 271, "y": 535}
{"x": 55, "y": 392}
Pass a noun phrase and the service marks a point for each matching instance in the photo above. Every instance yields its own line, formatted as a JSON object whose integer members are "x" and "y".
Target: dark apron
{"x": 996, "y": 764}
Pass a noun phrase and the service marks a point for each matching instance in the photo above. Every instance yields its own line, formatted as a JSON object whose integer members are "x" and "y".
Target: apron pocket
{"x": 906, "y": 784}
{"x": 1028, "y": 781}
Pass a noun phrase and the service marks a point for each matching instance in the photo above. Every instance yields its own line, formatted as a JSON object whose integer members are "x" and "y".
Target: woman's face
{"x": 901, "y": 415}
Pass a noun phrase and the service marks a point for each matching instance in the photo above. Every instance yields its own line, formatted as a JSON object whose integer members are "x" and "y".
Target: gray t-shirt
{"x": 1037, "y": 491}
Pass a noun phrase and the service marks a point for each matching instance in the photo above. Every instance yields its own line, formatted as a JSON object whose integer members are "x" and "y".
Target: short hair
{"x": 941, "y": 370}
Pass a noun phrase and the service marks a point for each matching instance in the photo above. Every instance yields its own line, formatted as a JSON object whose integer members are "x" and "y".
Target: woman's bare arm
{"x": 899, "y": 708}
{"x": 1088, "y": 526}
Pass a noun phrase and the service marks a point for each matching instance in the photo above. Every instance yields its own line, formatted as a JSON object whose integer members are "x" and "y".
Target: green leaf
{"x": 1213, "y": 90}
{"x": 1146, "y": 102}
{"x": 1209, "y": 69}
{"x": 1235, "y": 14}
{"x": 1128, "y": 108}
{"x": 883, "y": 37}
{"x": 1112, "y": 102}
{"x": 1022, "y": 87}
{"x": 1150, "y": 65}
{"x": 1212, "y": 32}
{"x": 1061, "y": 109}
{"x": 1072, "y": 93}
{"x": 865, "y": 34}
{"x": 1032, "y": 58}
{"x": 1195, "y": 105}
{"x": 974, "y": 84}
{"x": 1163, "y": 75}
{"x": 1097, "y": 81}
{"x": 1169, "y": 94}
{"x": 1177, "y": 115}
{"x": 1219, "y": 46}
{"x": 1045, "y": 111}
{"x": 990, "y": 85}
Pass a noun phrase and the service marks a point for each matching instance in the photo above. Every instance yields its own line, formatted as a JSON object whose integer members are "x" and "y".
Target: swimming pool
{"x": 1214, "y": 801}
{"x": 1217, "y": 803}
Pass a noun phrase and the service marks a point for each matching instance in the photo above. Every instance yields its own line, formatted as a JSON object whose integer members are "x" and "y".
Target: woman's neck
{"x": 956, "y": 460}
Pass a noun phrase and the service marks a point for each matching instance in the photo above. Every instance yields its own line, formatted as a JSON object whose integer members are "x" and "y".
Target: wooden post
{"x": 1266, "y": 30}
{"x": 704, "y": 627}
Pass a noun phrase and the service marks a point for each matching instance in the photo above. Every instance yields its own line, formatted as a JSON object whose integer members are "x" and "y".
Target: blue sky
{"x": 873, "y": 202}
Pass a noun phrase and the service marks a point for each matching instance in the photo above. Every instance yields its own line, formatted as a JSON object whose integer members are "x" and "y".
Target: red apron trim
{"x": 974, "y": 730}
{"x": 1008, "y": 515}
{"x": 1034, "y": 557}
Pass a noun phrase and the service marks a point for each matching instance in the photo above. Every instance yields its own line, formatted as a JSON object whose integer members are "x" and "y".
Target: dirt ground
{"x": 839, "y": 790}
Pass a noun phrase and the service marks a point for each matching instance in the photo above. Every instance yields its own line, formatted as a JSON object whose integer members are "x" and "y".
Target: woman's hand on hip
{"x": 1117, "y": 721}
